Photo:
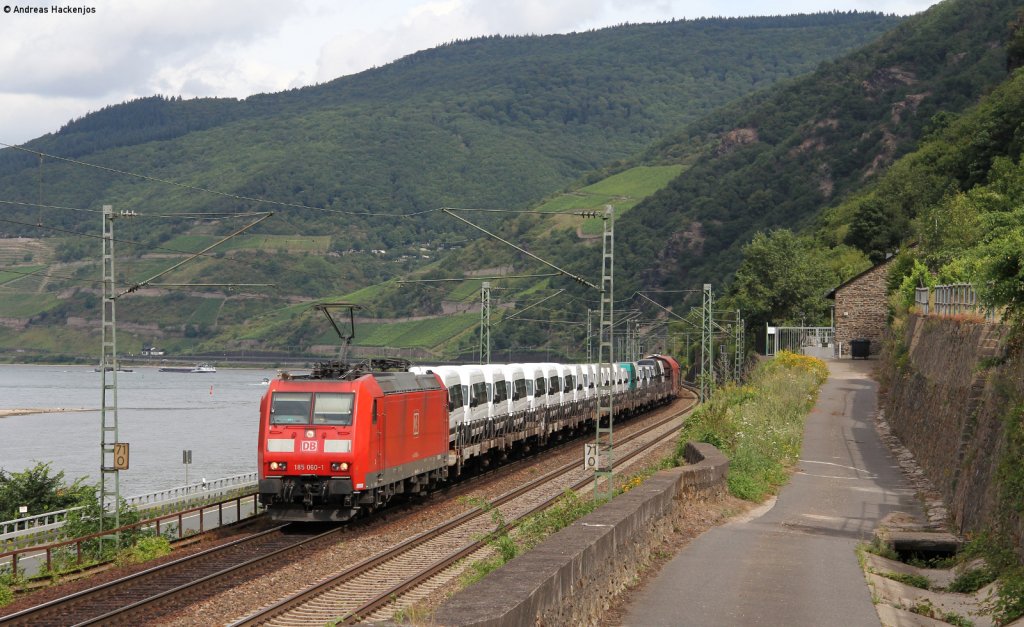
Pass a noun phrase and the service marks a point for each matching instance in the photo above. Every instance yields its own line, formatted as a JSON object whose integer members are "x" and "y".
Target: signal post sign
{"x": 590, "y": 456}
{"x": 120, "y": 456}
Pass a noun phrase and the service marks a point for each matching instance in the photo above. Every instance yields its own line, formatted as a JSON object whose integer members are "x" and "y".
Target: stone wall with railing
{"x": 954, "y": 299}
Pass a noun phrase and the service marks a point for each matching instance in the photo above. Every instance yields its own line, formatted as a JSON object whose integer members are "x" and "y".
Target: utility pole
{"x": 113, "y": 454}
{"x": 485, "y": 322}
{"x": 738, "y": 367}
{"x": 590, "y": 336}
{"x": 604, "y": 457}
{"x": 604, "y": 436}
{"x": 110, "y": 485}
{"x": 707, "y": 360}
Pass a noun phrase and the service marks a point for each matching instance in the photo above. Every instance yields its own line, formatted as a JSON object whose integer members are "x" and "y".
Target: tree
{"x": 877, "y": 228}
{"x": 782, "y": 278}
{"x": 40, "y": 491}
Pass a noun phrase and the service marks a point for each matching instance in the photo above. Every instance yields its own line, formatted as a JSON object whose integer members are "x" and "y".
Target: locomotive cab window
{"x": 290, "y": 408}
{"x": 333, "y": 409}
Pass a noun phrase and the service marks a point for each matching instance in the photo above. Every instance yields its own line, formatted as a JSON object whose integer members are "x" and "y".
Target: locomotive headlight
{"x": 310, "y": 433}
{"x": 339, "y": 466}
{"x": 279, "y": 465}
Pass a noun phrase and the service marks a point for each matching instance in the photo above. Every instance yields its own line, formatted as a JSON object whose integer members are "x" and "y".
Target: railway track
{"x": 372, "y": 588}
{"x": 131, "y": 599}
{"x": 368, "y": 586}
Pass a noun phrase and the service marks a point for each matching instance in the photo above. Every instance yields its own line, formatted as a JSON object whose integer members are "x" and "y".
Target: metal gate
{"x": 815, "y": 341}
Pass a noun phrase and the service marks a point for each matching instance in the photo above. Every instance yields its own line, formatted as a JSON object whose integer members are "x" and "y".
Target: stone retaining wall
{"x": 570, "y": 578}
{"x": 950, "y": 385}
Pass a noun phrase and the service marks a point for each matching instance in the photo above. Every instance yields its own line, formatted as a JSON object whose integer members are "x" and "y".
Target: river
{"x": 215, "y": 415}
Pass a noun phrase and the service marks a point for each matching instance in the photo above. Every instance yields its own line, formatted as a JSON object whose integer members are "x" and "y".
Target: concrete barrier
{"x": 571, "y": 578}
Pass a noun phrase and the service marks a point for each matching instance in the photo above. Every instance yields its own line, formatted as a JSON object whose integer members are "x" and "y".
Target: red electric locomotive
{"x": 344, "y": 440}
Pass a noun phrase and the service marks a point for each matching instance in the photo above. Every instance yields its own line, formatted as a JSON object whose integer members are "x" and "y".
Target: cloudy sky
{"x": 57, "y": 66}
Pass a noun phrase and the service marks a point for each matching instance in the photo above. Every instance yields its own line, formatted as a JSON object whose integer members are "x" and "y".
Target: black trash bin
{"x": 860, "y": 348}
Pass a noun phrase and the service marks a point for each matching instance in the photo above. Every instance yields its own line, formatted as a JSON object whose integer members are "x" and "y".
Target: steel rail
{"x": 388, "y": 596}
{"x": 64, "y": 608}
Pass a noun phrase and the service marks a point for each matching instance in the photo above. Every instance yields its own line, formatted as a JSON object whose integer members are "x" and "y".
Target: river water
{"x": 215, "y": 415}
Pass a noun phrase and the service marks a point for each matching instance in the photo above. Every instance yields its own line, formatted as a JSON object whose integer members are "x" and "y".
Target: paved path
{"x": 795, "y": 565}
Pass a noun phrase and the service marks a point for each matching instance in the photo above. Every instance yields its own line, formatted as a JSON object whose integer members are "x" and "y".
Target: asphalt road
{"x": 795, "y": 564}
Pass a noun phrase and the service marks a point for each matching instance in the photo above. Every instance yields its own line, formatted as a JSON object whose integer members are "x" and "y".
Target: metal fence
{"x": 952, "y": 300}
{"x": 32, "y": 560}
{"x": 815, "y": 341}
{"x": 921, "y": 298}
{"x": 45, "y": 525}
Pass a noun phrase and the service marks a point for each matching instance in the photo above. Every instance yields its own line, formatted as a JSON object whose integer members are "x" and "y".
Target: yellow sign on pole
{"x": 121, "y": 456}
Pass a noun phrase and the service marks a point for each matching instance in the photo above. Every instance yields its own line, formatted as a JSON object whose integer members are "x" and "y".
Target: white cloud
{"x": 57, "y": 67}
{"x": 124, "y": 44}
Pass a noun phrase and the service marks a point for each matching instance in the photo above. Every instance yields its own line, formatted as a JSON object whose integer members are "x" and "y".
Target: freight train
{"x": 345, "y": 440}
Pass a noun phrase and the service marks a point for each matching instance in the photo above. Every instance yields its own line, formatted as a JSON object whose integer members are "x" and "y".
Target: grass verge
{"x": 759, "y": 425}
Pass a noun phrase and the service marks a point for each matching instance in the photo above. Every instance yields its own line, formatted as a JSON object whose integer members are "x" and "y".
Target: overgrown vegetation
{"x": 759, "y": 425}
{"x": 917, "y": 581}
{"x": 972, "y": 580}
{"x": 41, "y": 490}
{"x": 1003, "y": 564}
{"x": 532, "y": 530}
{"x": 924, "y": 607}
{"x": 528, "y": 532}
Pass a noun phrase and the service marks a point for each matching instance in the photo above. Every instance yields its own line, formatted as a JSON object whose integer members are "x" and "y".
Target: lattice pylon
{"x": 604, "y": 480}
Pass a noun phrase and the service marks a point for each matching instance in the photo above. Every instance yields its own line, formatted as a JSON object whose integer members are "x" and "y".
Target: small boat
{"x": 196, "y": 368}
{"x": 265, "y": 381}
{"x": 111, "y": 369}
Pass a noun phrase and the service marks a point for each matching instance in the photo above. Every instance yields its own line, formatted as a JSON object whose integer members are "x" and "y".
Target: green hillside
{"x": 781, "y": 157}
{"x": 786, "y": 157}
{"x": 492, "y": 122}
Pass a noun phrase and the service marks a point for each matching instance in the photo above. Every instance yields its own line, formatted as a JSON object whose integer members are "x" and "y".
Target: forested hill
{"x": 780, "y": 157}
{"x": 494, "y": 122}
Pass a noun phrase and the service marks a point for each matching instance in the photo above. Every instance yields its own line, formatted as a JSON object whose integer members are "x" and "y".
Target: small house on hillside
{"x": 861, "y": 308}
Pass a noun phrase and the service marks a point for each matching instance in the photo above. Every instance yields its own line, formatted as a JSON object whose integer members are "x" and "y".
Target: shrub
{"x": 972, "y": 580}
{"x": 143, "y": 550}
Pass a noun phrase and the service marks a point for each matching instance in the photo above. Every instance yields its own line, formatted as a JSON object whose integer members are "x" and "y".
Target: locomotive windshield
{"x": 290, "y": 408}
{"x": 333, "y": 409}
{"x": 303, "y": 408}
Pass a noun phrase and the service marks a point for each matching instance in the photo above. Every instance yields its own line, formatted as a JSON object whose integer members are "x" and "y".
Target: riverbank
{"x": 24, "y": 411}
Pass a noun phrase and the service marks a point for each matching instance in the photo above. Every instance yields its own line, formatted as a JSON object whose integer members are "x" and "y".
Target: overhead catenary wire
{"x": 566, "y": 322}
{"x": 479, "y": 278}
{"x": 143, "y": 283}
{"x": 41, "y": 206}
{"x": 118, "y": 240}
{"x": 574, "y": 277}
{"x": 208, "y": 214}
{"x": 43, "y": 274}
